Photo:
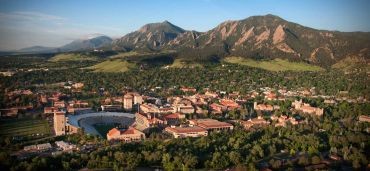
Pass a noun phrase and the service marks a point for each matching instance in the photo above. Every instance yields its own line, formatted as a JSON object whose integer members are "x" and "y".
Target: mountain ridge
{"x": 82, "y": 44}
{"x": 262, "y": 37}
{"x": 259, "y": 37}
{"x": 152, "y": 36}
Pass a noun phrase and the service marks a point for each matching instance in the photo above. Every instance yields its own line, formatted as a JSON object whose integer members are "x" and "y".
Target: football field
{"x": 24, "y": 127}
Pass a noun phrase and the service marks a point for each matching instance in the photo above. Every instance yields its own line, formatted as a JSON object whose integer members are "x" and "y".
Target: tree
{"x": 167, "y": 163}
{"x": 303, "y": 160}
{"x": 219, "y": 161}
{"x": 235, "y": 157}
{"x": 189, "y": 160}
{"x": 133, "y": 160}
{"x": 276, "y": 164}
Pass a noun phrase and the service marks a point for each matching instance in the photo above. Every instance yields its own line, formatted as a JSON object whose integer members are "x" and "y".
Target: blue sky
{"x": 25, "y": 23}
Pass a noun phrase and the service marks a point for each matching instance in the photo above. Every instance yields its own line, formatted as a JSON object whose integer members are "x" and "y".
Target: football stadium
{"x": 99, "y": 123}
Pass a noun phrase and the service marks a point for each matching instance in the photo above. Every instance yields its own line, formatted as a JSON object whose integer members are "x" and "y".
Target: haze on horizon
{"x": 55, "y": 23}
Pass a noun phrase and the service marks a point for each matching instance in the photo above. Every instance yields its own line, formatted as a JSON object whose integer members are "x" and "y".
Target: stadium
{"x": 99, "y": 123}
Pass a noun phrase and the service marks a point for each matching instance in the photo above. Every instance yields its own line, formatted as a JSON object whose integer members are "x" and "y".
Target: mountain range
{"x": 256, "y": 37}
{"x": 83, "y": 44}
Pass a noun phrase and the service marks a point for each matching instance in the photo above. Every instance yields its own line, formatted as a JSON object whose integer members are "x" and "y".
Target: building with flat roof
{"x": 185, "y": 109}
{"x": 211, "y": 124}
{"x": 128, "y": 100}
{"x": 138, "y": 99}
{"x": 29, "y": 147}
{"x": 59, "y": 123}
{"x": 44, "y": 146}
{"x": 111, "y": 108}
{"x": 192, "y": 131}
{"x": 128, "y": 135}
{"x": 65, "y": 146}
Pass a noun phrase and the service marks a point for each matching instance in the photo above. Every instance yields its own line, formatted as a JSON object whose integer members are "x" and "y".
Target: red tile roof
{"x": 113, "y": 131}
{"x": 172, "y": 116}
{"x": 186, "y": 129}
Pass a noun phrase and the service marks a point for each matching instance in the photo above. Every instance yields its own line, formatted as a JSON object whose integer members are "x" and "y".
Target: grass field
{"x": 124, "y": 54}
{"x": 104, "y": 128}
{"x": 115, "y": 65}
{"x": 274, "y": 65}
{"x": 71, "y": 57}
{"x": 179, "y": 63}
{"x": 24, "y": 127}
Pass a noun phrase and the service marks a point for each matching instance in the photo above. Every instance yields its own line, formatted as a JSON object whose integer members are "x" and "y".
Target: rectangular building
{"x": 211, "y": 124}
{"x": 182, "y": 132}
{"x": 59, "y": 123}
{"x": 128, "y": 100}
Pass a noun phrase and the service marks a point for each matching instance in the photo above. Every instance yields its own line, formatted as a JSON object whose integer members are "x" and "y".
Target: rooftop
{"x": 210, "y": 123}
{"x": 186, "y": 129}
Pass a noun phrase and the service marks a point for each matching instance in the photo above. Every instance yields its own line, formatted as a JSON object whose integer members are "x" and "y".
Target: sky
{"x": 53, "y": 23}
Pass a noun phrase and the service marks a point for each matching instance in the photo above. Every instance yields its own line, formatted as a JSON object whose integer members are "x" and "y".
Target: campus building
{"x": 128, "y": 100}
{"x": 306, "y": 108}
{"x": 128, "y": 135}
{"x": 211, "y": 124}
{"x": 181, "y": 132}
{"x": 59, "y": 123}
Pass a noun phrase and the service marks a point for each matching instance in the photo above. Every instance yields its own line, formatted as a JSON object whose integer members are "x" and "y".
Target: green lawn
{"x": 71, "y": 57}
{"x": 274, "y": 65}
{"x": 103, "y": 129}
{"x": 24, "y": 127}
{"x": 116, "y": 65}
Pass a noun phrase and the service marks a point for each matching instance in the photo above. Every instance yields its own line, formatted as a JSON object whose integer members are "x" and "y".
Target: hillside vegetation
{"x": 179, "y": 63}
{"x": 274, "y": 65}
{"x": 116, "y": 65}
{"x": 72, "y": 57}
{"x": 124, "y": 55}
{"x": 352, "y": 63}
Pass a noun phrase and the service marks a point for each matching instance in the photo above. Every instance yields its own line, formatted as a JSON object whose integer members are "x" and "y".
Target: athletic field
{"x": 24, "y": 127}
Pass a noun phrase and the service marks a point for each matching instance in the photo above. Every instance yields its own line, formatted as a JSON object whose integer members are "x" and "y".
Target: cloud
{"x": 26, "y": 28}
{"x": 30, "y": 16}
